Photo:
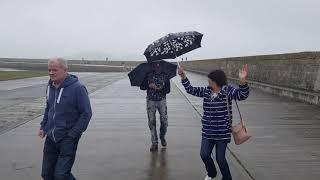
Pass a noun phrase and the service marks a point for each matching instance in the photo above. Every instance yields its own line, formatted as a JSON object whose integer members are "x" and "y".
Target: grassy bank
{"x": 10, "y": 75}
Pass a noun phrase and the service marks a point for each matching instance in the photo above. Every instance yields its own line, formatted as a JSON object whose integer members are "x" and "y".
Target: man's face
{"x": 56, "y": 72}
{"x": 156, "y": 67}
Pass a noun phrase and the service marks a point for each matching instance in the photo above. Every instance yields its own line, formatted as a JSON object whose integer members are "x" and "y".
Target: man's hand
{"x": 181, "y": 73}
{"x": 41, "y": 134}
{"x": 152, "y": 86}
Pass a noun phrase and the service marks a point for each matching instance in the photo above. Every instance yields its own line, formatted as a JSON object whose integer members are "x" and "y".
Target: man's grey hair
{"x": 62, "y": 62}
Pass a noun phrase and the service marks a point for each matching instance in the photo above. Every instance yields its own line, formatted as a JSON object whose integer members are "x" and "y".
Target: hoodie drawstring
{"x": 48, "y": 92}
{"x": 60, "y": 93}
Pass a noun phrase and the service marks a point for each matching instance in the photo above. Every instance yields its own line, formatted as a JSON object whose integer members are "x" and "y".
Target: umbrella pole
{"x": 178, "y": 62}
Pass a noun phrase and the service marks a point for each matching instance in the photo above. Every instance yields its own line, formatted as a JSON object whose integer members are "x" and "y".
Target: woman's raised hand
{"x": 181, "y": 72}
{"x": 243, "y": 73}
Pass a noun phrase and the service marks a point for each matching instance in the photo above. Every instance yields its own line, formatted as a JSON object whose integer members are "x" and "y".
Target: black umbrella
{"x": 173, "y": 45}
{"x": 138, "y": 74}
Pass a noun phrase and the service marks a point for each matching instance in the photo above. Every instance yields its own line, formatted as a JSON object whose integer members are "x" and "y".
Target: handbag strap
{"x": 227, "y": 99}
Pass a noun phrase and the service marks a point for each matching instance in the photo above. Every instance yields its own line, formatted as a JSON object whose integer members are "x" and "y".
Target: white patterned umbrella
{"x": 173, "y": 45}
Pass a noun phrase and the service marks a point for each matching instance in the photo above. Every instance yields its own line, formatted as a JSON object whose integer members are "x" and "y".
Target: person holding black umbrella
{"x": 157, "y": 84}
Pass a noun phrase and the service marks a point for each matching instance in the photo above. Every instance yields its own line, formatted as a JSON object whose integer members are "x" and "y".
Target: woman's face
{"x": 213, "y": 84}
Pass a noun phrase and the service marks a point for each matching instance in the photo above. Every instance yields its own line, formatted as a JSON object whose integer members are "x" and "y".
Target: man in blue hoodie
{"x": 67, "y": 115}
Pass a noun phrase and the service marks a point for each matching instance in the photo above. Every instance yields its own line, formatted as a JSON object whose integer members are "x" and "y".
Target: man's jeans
{"x": 205, "y": 153}
{"x": 58, "y": 158}
{"x": 152, "y": 107}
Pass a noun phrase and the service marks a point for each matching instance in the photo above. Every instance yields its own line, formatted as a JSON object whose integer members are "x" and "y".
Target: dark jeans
{"x": 58, "y": 158}
{"x": 205, "y": 153}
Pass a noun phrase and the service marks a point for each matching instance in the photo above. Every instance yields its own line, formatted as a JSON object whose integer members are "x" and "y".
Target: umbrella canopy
{"x": 173, "y": 45}
{"x": 138, "y": 74}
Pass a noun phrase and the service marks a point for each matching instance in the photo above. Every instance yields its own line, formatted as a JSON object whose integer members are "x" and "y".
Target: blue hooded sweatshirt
{"x": 68, "y": 109}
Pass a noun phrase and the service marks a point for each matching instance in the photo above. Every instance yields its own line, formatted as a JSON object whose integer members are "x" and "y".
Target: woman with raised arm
{"x": 216, "y": 125}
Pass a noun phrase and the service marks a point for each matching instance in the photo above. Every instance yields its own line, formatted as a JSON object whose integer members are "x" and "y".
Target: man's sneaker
{"x": 163, "y": 142}
{"x": 208, "y": 178}
{"x": 154, "y": 147}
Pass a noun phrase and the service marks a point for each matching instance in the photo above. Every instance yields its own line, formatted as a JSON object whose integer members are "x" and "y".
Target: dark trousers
{"x": 58, "y": 158}
{"x": 205, "y": 153}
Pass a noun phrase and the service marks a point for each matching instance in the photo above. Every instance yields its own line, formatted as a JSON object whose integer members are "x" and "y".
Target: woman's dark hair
{"x": 219, "y": 77}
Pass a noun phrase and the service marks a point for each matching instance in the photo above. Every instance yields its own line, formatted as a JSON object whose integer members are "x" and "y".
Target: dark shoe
{"x": 154, "y": 147}
{"x": 163, "y": 142}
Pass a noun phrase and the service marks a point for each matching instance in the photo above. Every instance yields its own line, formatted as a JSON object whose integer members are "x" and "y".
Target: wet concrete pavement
{"x": 285, "y": 142}
{"x": 116, "y": 145}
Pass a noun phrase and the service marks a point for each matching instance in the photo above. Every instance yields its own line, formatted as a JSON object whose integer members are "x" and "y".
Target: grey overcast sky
{"x": 124, "y": 28}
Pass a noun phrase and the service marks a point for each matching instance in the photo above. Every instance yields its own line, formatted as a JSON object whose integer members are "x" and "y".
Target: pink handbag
{"x": 239, "y": 131}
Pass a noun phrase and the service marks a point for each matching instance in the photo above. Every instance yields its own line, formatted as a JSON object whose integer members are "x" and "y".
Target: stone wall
{"x": 295, "y": 75}
{"x": 74, "y": 65}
